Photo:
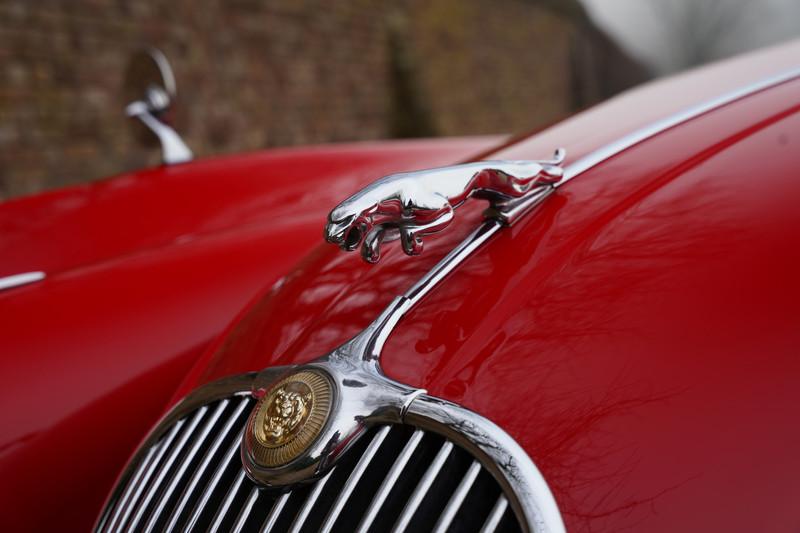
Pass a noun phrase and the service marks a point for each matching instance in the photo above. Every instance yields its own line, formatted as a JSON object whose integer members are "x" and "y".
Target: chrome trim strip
{"x": 300, "y": 519}
{"x": 275, "y": 512}
{"x": 9, "y": 282}
{"x": 457, "y": 498}
{"x": 519, "y": 208}
{"x": 457, "y": 255}
{"x": 167, "y": 465}
{"x": 354, "y": 478}
{"x": 245, "y": 511}
{"x": 598, "y": 156}
{"x": 199, "y": 440}
{"x": 389, "y": 480}
{"x": 493, "y": 520}
{"x": 201, "y": 468}
{"x": 421, "y": 490}
{"x": 226, "y": 503}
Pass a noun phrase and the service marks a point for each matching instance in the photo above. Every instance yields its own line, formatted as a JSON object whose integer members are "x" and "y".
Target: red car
{"x": 611, "y": 345}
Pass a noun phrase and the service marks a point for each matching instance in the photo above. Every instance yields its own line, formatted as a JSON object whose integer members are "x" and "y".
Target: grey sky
{"x": 670, "y": 35}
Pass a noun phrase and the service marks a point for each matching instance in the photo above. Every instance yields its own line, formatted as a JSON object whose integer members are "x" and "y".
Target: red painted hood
{"x": 173, "y": 205}
{"x": 144, "y": 271}
{"x": 637, "y": 334}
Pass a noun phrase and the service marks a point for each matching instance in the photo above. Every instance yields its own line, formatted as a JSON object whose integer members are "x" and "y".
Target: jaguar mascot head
{"x": 410, "y": 205}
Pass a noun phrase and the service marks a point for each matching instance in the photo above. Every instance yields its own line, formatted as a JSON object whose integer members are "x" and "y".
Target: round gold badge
{"x": 288, "y": 418}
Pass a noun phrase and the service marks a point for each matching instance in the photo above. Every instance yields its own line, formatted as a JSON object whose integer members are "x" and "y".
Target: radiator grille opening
{"x": 395, "y": 478}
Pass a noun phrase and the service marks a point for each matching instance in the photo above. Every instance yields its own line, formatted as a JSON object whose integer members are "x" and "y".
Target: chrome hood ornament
{"x": 307, "y": 417}
{"x": 321, "y": 408}
{"x": 411, "y": 205}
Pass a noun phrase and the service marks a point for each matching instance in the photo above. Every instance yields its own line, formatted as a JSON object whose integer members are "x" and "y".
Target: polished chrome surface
{"x": 137, "y": 489}
{"x": 301, "y": 517}
{"x": 361, "y": 392}
{"x": 457, "y": 499}
{"x": 598, "y": 156}
{"x": 171, "y": 471}
{"x": 275, "y": 512}
{"x": 353, "y": 480}
{"x": 412, "y": 474}
{"x": 389, "y": 481}
{"x": 421, "y": 490}
{"x": 9, "y": 282}
{"x": 222, "y": 512}
{"x": 522, "y": 483}
{"x": 244, "y": 514}
{"x": 200, "y": 505}
{"x": 166, "y": 466}
{"x": 357, "y": 215}
{"x": 365, "y": 398}
{"x": 495, "y": 516}
{"x": 173, "y": 149}
{"x": 511, "y": 213}
{"x": 505, "y": 213}
{"x": 411, "y": 205}
{"x": 190, "y": 489}
{"x": 199, "y": 440}
{"x": 154, "y": 103}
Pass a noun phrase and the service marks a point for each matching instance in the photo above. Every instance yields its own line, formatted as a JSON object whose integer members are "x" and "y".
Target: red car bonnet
{"x": 636, "y": 334}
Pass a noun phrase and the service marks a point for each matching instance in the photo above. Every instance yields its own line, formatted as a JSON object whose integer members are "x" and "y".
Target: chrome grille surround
{"x": 444, "y": 467}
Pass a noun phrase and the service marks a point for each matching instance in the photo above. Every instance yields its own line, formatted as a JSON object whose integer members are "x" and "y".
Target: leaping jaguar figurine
{"x": 410, "y": 205}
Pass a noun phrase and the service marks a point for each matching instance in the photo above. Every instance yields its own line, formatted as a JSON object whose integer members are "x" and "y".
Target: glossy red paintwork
{"x": 144, "y": 270}
{"x": 637, "y": 334}
{"x": 87, "y": 224}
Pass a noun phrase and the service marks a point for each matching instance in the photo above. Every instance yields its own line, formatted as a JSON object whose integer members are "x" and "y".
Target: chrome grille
{"x": 396, "y": 478}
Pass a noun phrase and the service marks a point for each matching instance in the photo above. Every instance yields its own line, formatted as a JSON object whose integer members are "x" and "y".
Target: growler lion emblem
{"x": 284, "y": 412}
{"x": 288, "y": 418}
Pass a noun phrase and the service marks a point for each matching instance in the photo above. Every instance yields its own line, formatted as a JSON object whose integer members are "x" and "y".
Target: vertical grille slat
{"x": 226, "y": 462}
{"x": 355, "y": 476}
{"x": 275, "y": 513}
{"x": 221, "y": 513}
{"x": 167, "y": 465}
{"x": 458, "y": 498}
{"x": 178, "y": 475}
{"x": 389, "y": 481}
{"x": 309, "y": 503}
{"x": 162, "y": 446}
{"x": 205, "y": 462}
{"x": 396, "y": 477}
{"x": 493, "y": 520}
{"x": 422, "y": 487}
{"x": 247, "y": 508}
{"x": 129, "y": 488}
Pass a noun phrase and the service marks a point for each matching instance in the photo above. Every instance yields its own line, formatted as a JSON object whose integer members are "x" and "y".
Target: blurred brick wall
{"x": 253, "y": 74}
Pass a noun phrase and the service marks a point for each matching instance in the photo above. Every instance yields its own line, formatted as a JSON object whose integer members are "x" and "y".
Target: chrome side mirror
{"x": 150, "y": 83}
